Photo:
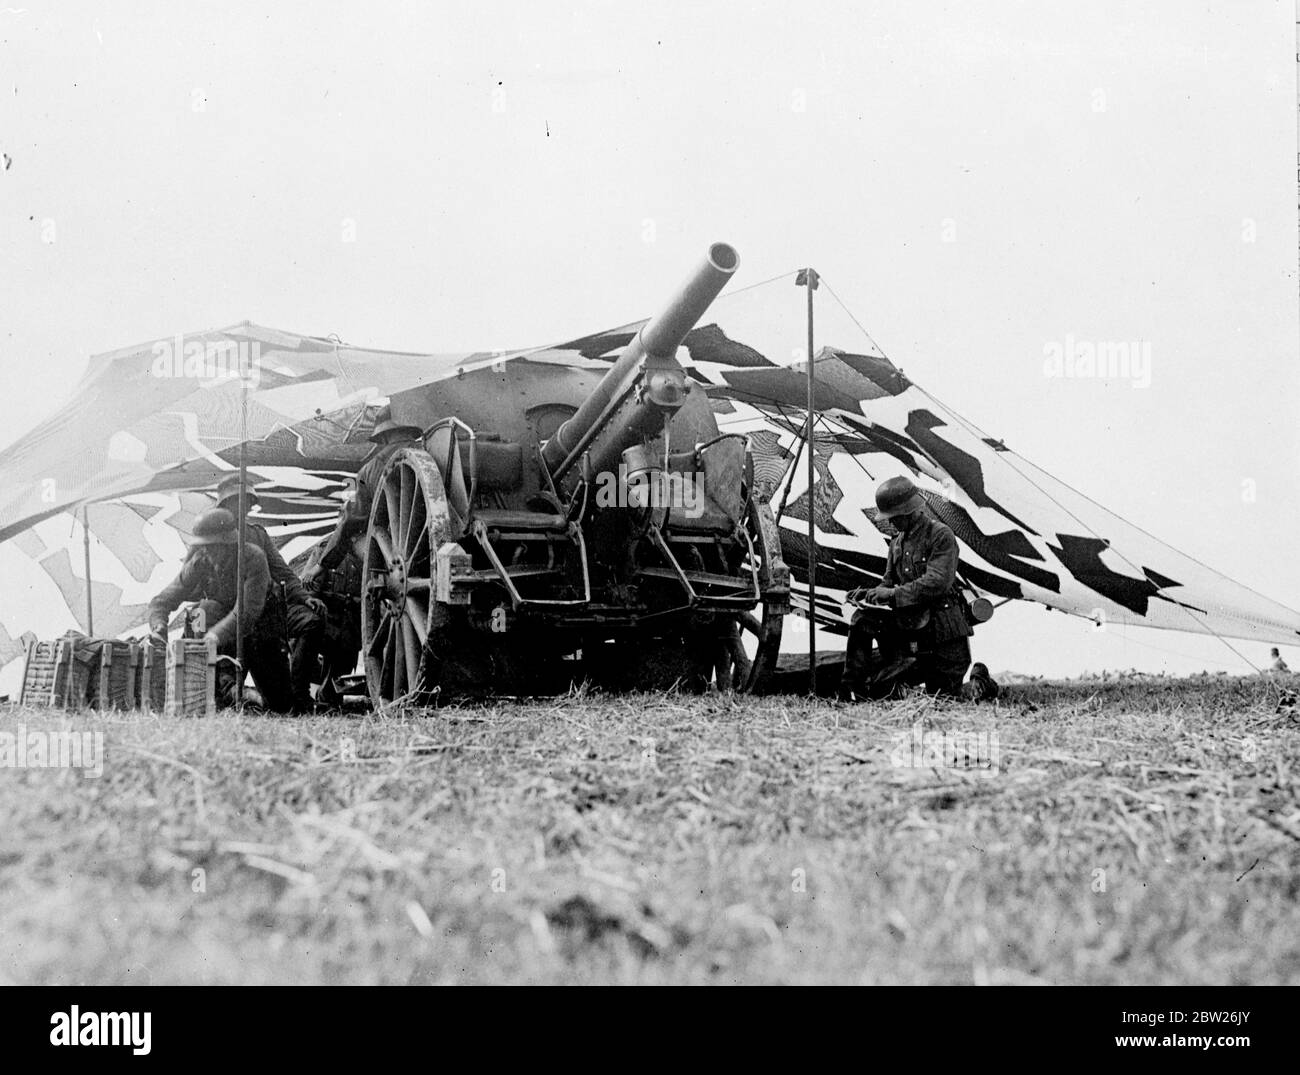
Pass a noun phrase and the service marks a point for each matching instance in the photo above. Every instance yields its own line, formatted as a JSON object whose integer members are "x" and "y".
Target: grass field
{"x": 1139, "y": 830}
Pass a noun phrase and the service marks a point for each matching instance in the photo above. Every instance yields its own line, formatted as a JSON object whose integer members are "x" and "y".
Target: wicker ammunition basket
{"x": 151, "y": 676}
{"x": 54, "y": 675}
{"x": 113, "y": 685}
{"x": 191, "y": 678}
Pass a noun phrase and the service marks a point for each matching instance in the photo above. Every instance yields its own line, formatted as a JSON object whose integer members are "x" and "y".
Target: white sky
{"x": 976, "y": 180}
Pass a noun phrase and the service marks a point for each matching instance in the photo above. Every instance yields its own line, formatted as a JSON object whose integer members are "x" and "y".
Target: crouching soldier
{"x": 919, "y": 616}
{"x": 388, "y": 436}
{"x": 334, "y": 572}
{"x": 304, "y": 613}
{"x": 209, "y": 576}
{"x": 340, "y": 590}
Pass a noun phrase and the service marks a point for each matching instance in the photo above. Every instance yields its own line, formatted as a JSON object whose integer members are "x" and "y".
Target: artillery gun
{"x": 555, "y": 524}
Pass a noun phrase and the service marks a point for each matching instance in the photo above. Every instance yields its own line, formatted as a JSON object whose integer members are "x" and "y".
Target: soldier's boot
{"x": 306, "y": 631}
{"x": 859, "y": 657}
{"x": 225, "y": 683}
{"x": 887, "y": 677}
{"x": 268, "y": 663}
{"x": 329, "y": 696}
{"x": 304, "y": 662}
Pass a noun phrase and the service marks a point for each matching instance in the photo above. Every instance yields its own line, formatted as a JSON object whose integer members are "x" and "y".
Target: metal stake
{"x": 243, "y": 531}
{"x": 85, "y": 542}
{"x": 808, "y": 278}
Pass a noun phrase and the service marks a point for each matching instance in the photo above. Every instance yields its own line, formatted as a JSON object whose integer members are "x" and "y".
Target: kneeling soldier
{"x": 209, "y": 576}
{"x": 924, "y": 638}
{"x": 304, "y": 613}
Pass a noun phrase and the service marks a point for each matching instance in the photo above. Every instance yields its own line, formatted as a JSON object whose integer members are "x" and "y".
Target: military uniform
{"x": 304, "y": 627}
{"x": 924, "y": 639}
{"x": 922, "y": 569}
{"x": 209, "y": 577}
{"x": 356, "y": 516}
{"x": 340, "y": 589}
{"x": 335, "y": 572}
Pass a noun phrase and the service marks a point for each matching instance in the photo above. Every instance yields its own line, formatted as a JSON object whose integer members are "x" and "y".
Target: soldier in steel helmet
{"x": 923, "y": 631}
{"x": 209, "y": 576}
{"x": 334, "y": 573}
{"x": 304, "y": 613}
{"x": 388, "y": 436}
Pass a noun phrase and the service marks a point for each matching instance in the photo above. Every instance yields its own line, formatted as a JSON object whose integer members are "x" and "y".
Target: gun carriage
{"x": 556, "y": 524}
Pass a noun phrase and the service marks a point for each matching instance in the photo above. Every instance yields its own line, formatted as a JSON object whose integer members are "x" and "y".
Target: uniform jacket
{"x": 922, "y": 569}
{"x": 356, "y": 515}
{"x": 208, "y": 573}
{"x": 294, "y": 591}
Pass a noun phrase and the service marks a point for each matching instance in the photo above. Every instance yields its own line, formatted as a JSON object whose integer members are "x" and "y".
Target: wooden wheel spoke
{"x": 405, "y": 494}
{"x": 401, "y": 679}
{"x": 411, "y": 650}
{"x": 418, "y": 511}
{"x": 390, "y": 504}
{"x": 419, "y": 620}
{"x": 385, "y": 547}
{"x": 390, "y": 663}
{"x": 421, "y": 542}
{"x": 381, "y": 634}
{"x": 385, "y": 672}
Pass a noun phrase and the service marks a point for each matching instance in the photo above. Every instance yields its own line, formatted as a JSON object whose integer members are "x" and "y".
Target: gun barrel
{"x": 663, "y": 334}
{"x": 660, "y": 336}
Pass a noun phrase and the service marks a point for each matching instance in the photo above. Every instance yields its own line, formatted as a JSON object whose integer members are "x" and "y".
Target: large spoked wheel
{"x": 399, "y": 618}
{"x": 765, "y": 626}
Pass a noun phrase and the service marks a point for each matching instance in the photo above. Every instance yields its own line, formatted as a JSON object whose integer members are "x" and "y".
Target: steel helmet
{"x": 385, "y": 423}
{"x": 228, "y": 489}
{"x": 897, "y": 496}
{"x": 215, "y": 526}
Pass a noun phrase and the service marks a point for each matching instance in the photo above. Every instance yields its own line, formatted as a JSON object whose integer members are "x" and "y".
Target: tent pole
{"x": 808, "y": 278}
{"x": 239, "y": 549}
{"x": 85, "y": 544}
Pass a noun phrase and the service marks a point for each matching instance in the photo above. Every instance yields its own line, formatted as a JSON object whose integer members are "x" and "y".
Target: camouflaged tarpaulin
{"x": 135, "y": 439}
{"x": 154, "y": 415}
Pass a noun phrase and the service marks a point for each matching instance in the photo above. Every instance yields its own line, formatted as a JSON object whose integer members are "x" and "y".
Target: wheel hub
{"x": 397, "y": 576}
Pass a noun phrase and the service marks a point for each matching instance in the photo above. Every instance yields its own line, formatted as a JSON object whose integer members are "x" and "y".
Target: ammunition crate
{"x": 113, "y": 686}
{"x": 57, "y": 673}
{"x": 151, "y": 676}
{"x": 191, "y": 678}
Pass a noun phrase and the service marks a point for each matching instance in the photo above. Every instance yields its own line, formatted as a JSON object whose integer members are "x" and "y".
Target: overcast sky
{"x": 980, "y": 182}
